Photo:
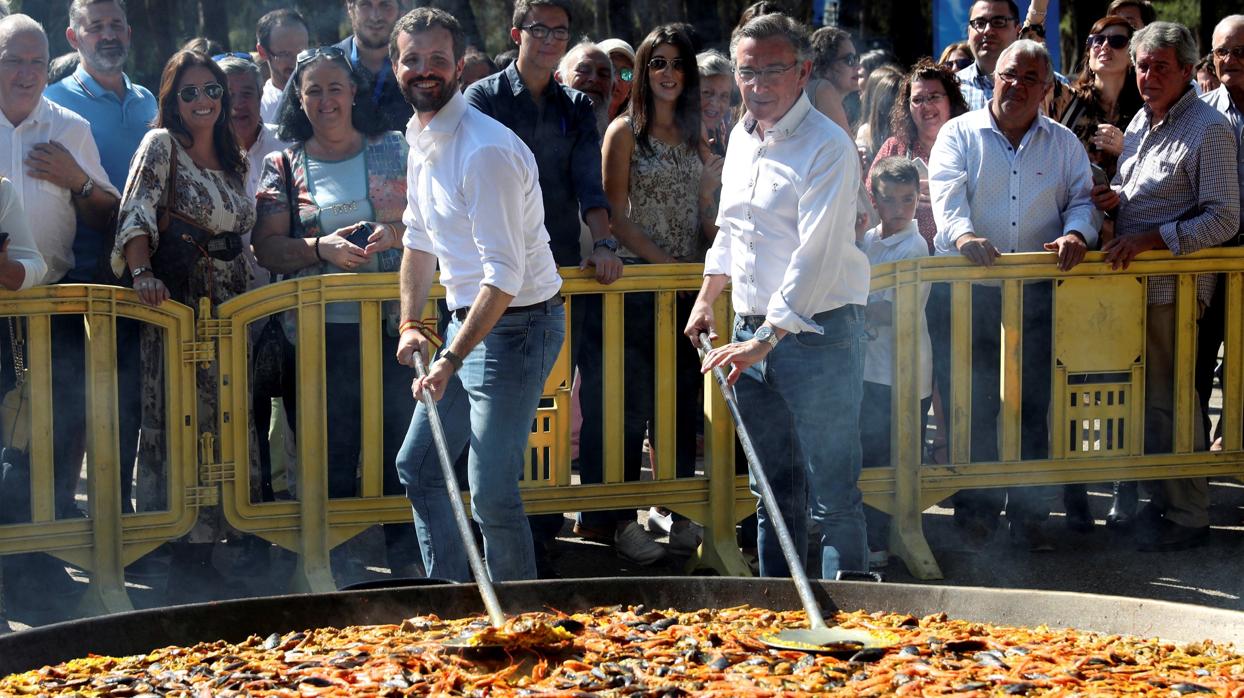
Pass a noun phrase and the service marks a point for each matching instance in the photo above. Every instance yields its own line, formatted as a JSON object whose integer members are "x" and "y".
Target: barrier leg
{"x": 313, "y": 572}
{"x": 106, "y": 592}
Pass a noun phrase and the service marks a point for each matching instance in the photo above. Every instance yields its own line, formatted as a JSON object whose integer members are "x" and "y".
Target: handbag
{"x": 15, "y": 434}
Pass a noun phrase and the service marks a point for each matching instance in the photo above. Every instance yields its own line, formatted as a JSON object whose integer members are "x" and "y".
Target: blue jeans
{"x": 801, "y": 406}
{"x": 488, "y": 405}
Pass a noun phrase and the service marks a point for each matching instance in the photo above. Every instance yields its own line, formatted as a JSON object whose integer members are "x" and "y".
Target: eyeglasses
{"x": 1236, "y": 52}
{"x": 1016, "y": 79}
{"x": 851, "y": 59}
{"x": 1116, "y": 41}
{"x": 748, "y": 76}
{"x": 980, "y": 24}
{"x": 189, "y": 93}
{"x": 626, "y": 74}
{"x": 959, "y": 63}
{"x": 658, "y": 64}
{"x": 932, "y": 98}
{"x": 233, "y": 54}
{"x": 329, "y": 52}
{"x": 542, "y": 32}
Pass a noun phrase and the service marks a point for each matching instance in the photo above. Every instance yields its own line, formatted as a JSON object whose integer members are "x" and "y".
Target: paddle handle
{"x": 495, "y": 615}
{"x": 798, "y": 575}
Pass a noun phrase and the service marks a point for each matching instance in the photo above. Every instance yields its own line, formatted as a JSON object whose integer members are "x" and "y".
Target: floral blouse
{"x": 385, "y": 158}
{"x": 213, "y": 199}
{"x": 665, "y": 186}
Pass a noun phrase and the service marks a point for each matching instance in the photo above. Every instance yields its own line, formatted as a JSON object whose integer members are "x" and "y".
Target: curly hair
{"x": 825, "y": 42}
{"x": 292, "y": 122}
{"x": 224, "y": 143}
{"x": 902, "y": 125}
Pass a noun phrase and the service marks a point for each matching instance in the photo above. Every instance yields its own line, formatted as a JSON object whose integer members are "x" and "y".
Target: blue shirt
{"x": 118, "y": 126}
{"x": 383, "y": 89}
{"x": 565, "y": 142}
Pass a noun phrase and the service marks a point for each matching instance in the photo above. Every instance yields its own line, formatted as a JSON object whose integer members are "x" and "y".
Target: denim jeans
{"x": 801, "y": 406}
{"x": 489, "y": 405}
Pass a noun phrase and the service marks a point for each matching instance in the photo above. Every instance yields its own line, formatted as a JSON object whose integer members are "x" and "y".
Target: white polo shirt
{"x": 270, "y": 102}
{"x": 49, "y": 207}
{"x": 265, "y": 144}
{"x": 473, "y": 199}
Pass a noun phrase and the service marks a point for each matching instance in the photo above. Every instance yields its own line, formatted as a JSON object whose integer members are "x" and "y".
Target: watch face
{"x": 764, "y": 334}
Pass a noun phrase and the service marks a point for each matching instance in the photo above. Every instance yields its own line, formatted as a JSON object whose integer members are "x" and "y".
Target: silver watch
{"x": 767, "y": 335}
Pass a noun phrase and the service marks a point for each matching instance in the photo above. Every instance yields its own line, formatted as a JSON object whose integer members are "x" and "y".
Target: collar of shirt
{"x": 518, "y": 87}
{"x": 910, "y": 229}
{"x": 1180, "y": 106}
{"x": 786, "y": 126}
{"x": 94, "y": 90}
{"x": 39, "y": 115}
{"x": 982, "y": 119}
{"x": 445, "y": 122}
{"x": 973, "y": 74}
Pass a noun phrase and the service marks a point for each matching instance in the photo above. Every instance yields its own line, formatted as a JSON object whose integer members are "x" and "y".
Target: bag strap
{"x": 17, "y": 345}
{"x": 170, "y": 186}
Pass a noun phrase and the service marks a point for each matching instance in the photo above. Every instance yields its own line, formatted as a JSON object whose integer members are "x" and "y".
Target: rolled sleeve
{"x": 717, "y": 260}
{"x": 22, "y": 248}
{"x": 948, "y": 184}
{"x": 494, "y": 185}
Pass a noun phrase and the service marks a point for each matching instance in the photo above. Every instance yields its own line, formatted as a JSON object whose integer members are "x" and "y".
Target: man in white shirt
{"x": 280, "y": 36}
{"x": 1007, "y": 179}
{"x": 474, "y": 205}
{"x": 787, "y": 248}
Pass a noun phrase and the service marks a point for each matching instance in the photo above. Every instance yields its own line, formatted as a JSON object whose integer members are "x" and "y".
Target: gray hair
{"x": 1031, "y": 49}
{"x": 1160, "y": 35}
{"x": 232, "y": 65}
{"x": 13, "y": 25}
{"x": 769, "y": 26}
{"x": 1228, "y": 22}
{"x": 77, "y": 10}
{"x": 564, "y": 66}
{"x": 712, "y": 63}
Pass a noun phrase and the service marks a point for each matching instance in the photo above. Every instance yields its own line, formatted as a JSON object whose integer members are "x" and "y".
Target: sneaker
{"x": 660, "y": 521}
{"x": 878, "y": 559}
{"x": 633, "y": 543}
{"x": 685, "y": 537}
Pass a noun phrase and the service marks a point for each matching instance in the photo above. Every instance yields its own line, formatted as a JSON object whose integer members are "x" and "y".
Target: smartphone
{"x": 4, "y": 240}
{"x": 1099, "y": 175}
{"x": 360, "y": 235}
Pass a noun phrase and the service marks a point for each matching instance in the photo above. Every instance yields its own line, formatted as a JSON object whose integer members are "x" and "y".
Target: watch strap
{"x": 453, "y": 359}
{"x": 139, "y": 271}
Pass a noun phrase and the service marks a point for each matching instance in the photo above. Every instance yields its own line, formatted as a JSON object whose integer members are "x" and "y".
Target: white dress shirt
{"x": 1017, "y": 198}
{"x": 270, "y": 102}
{"x": 787, "y": 220}
{"x": 265, "y": 144}
{"x": 473, "y": 199}
{"x": 50, "y": 206}
{"x": 22, "y": 248}
{"x": 879, "y": 349}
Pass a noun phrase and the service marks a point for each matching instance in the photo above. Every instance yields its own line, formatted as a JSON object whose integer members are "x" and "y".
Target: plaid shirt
{"x": 977, "y": 87}
{"x": 1179, "y": 176}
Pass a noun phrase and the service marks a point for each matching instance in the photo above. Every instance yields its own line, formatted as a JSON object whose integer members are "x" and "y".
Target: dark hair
{"x": 759, "y": 9}
{"x": 1206, "y": 63}
{"x": 522, "y": 7}
{"x": 504, "y": 59}
{"x": 1148, "y": 15}
{"x": 474, "y": 56}
{"x": 1083, "y": 84}
{"x": 893, "y": 170}
{"x": 878, "y": 58}
{"x": 63, "y": 66}
{"x": 292, "y": 122}
{"x": 686, "y": 108}
{"x": 825, "y": 43}
{"x": 274, "y": 19}
{"x": 902, "y": 126}
{"x": 1010, "y": 4}
{"x": 76, "y": 7}
{"x": 224, "y": 143}
{"x": 202, "y": 44}
{"x": 422, "y": 19}
{"x": 881, "y": 95}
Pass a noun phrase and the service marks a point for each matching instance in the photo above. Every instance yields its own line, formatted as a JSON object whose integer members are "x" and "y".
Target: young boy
{"x": 895, "y": 190}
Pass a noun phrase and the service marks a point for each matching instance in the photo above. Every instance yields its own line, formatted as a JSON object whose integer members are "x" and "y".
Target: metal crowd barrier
{"x": 1098, "y": 313}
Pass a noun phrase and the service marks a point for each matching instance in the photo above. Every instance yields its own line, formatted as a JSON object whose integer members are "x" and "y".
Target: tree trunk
{"x": 214, "y": 21}
{"x": 463, "y": 12}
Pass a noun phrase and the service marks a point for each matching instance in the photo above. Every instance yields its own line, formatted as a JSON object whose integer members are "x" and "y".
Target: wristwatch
{"x": 86, "y": 189}
{"x": 139, "y": 271}
{"x": 607, "y": 243}
{"x": 767, "y": 335}
{"x": 453, "y": 359}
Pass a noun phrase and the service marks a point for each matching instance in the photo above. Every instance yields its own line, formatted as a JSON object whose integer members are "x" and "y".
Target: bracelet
{"x": 317, "y": 250}
{"x": 409, "y": 325}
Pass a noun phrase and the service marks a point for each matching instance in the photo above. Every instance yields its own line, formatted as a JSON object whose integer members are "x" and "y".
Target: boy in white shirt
{"x": 895, "y": 190}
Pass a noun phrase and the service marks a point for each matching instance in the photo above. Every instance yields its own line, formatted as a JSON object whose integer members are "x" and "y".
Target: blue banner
{"x": 950, "y": 24}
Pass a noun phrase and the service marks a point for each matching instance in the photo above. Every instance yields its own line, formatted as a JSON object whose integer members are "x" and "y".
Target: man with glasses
{"x": 786, "y": 246}
{"x": 559, "y": 126}
{"x": 1177, "y": 189}
{"x": 280, "y": 36}
{"x": 1008, "y": 179}
{"x": 993, "y": 25}
{"x": 588, "y": 69}
{"x": 368, "y": 49}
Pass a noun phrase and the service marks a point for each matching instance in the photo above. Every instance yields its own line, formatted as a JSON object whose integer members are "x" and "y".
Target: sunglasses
{"x": 851, "y": 59}
{"x": 658, "y": 64}
{"x": 233, "y": 54}
{"x": 330, "y": 52}
{"x": 1116, "y": 41}
{"x": 189, "y": 93}
{"x": 626, "y": 74}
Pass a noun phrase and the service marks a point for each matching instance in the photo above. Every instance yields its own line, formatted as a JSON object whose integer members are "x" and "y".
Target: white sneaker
{"x": 633, "y": 543}
{"x": 660, "y": 521}
{"x": 878, "y": 559}
{"x": 685, "y": 536}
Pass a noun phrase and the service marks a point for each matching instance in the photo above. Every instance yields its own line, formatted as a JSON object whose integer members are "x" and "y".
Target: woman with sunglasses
{"x": 346, "y": 176}
{"x": 652, "y": 173}
{"x": 179, "y": 230}
{"x": 835, "y": 74}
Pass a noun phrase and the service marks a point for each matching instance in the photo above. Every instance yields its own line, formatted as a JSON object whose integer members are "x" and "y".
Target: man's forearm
{"x": 488, "y": 307}
{"x": 597, "y": 220}
{"x": 12, "y": 274}
{"x": 712, "y": 287}
{"x": 97, "y": 209}
{"x": 415, "y": 278}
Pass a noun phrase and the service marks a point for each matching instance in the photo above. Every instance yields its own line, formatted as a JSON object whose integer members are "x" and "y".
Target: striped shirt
{"x": 1179, "y": 176}
{"x": 1221, "y": 100}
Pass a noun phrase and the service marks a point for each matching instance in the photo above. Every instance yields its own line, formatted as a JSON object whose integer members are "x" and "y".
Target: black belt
{"x": 554, "y": 302}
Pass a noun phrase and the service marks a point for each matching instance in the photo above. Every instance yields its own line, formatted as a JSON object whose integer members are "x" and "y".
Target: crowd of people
{"x": 787, "y": 163}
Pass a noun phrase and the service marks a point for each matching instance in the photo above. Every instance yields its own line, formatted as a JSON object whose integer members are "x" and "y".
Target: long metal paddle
{"x": 495, "y": 615}
{"x": 818, "y": 636}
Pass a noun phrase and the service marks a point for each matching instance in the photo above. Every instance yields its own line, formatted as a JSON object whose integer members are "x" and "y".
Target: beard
{"x": 430, "y": 101}
{"x": 601, "y": 110}
{"x": 107, "y": 57}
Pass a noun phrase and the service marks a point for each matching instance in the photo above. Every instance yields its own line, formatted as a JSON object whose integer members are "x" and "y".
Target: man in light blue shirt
{"x": 1007, "y": 179}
